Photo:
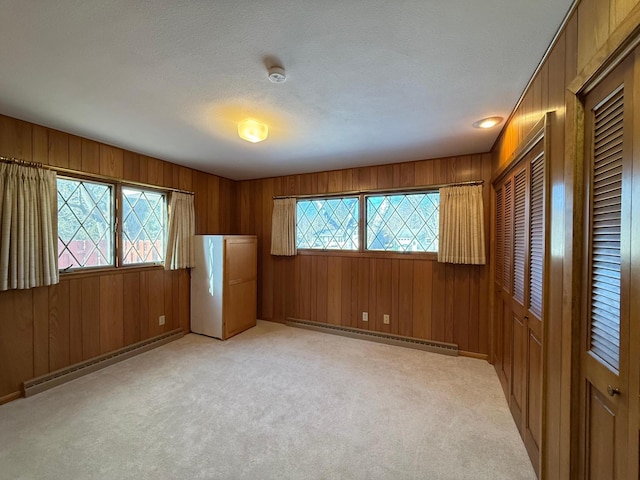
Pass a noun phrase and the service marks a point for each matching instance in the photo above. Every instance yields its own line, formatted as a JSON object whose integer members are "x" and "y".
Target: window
{"x": 403, "y": 223}
{"x": 85, "y": 224}
{"x": 328, "y": 223}
{"x": 143, "y": 226}
{"x": 87, "y": 227}
{"x": 392, "y": 222}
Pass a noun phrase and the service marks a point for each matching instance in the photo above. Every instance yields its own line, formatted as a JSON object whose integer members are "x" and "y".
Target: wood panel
{"x": 533, "y": 407}
{"x": 86, "y": 314}
{"x": 518, "y": 369}
{"x": 131, "y": 307}
{"x": 59, "y": 327}
{"x": 591, "y": 26}
{"x": 424, "y": 299}
{"x": 16, "y": 339}
{"x": 601, "y": 439}
{"x": 111, "y": 313}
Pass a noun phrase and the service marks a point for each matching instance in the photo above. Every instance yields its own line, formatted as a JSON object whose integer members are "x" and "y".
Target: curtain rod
{"x": 382, "y": 190}
{"x": 20, "y": 161}
{"x": 97, "y": 176}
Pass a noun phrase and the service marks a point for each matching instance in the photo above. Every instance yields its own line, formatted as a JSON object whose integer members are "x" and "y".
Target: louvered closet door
{"x": 518, "y": 311}
{"x": 605, "y": 355}
{"x": 498, "y": 271}
{"x": 507, "y": 286}
{"x": 534, "y": 301}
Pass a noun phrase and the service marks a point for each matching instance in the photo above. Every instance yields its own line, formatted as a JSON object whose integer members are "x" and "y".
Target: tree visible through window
{"x": 143, "y": 226}
{"x": 403, "y": 223}
{"x": 328, "y": 223}
{"x": 85, "y": 226}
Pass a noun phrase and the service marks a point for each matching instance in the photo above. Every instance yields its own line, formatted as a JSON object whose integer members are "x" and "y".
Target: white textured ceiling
{"x": 369, "y": 81}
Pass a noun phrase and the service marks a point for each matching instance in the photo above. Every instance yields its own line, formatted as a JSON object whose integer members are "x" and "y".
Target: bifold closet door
{"x": 520, "y": 204}
{"x": 605, "y": 355}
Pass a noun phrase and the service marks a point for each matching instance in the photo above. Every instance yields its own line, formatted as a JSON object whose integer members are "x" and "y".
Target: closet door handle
{"x": 612, "y": 391}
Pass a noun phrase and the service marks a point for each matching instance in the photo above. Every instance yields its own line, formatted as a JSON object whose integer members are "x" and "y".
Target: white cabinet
{"x": 224, "y": 285}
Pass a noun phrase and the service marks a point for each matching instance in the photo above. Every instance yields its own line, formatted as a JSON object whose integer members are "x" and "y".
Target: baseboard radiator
{"x": 389, "y": 339}
{"x": 53, "y": 379}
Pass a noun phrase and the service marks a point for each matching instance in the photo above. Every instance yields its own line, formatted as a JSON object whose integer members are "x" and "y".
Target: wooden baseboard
{"x": 10, "y": 398}
{"x": 479, "y": 356}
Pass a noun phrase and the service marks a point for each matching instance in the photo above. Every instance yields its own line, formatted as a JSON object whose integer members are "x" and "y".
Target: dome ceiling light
{"x": 252, "y": 130}
{"x": 488, "y": 122}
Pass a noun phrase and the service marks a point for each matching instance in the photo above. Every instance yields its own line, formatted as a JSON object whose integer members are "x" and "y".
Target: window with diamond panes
{"x": 328, "y": 223}
{"x": 85, "y": 224}
{"x": 403, "y": 223}
{"x": 143, "y": 226}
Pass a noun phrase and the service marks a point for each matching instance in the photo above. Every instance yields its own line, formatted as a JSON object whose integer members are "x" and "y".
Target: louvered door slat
{"x": 507, "y": 267}
{"x": 606, "y": 206}
{"x": 609, "y": 110}
{"x": 536, "y": 236}
{"x": 519, "y": 235}
{"x": 499, "y": 235}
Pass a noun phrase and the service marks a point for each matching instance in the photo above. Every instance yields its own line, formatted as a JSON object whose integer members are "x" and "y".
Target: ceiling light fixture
{"x": 487, "y": 122}
{"x": 252, "y": 130}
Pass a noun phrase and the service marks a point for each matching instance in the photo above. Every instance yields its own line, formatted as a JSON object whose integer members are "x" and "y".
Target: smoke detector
{"x": 277, "y": 75}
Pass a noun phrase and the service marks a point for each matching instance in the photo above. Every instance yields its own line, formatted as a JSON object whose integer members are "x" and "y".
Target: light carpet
{"x": 275, "y": 402}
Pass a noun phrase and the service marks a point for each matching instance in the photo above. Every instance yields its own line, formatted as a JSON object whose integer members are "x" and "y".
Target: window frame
{"x": 396, "y": 194}
{"x": 362, "y": 251}
{"x": 332, "y": 197}
{"x": 116, "y": 224}
{"x": 120, "y": 224}
{"x": 112, "y": 224}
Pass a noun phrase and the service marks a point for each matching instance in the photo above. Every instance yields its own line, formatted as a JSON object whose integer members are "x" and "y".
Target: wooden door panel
{"x": 601, "y": 437}
{"x": 240, "y": 258}
{"x": 533, "y": 415}
{"x": 240, "y": 307}
{"x": 518, "y": 378}
{"x": 506, "y": 341}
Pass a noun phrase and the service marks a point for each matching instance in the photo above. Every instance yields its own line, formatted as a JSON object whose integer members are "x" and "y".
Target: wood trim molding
{"x": 622, "y": 41}
{"x": 478, "y": 356}
{"x": 10, "y": 398}
{"x": 572, "y": 9}
{"x": 371, "y": 254}
{"x": 535, "y": 134}
{"x": 572, "y": 271}
{"x": 97, "y": 272}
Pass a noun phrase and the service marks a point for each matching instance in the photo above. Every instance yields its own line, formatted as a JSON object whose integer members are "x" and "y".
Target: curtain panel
{"x": 28, "y": 227}
{"x": 461, "y": 238}
{"x": 182, "y": 229}
{"x": 283, "y": 227}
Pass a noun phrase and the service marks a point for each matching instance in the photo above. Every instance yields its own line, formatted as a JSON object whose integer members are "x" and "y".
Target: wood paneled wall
{"x": 593, "y": 26}
{"x": 424, "y": 298}
{"x": 88, "y": 314}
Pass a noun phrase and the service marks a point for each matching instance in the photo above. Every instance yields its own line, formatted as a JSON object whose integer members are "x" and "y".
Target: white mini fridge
{"x": 224, "y": 285}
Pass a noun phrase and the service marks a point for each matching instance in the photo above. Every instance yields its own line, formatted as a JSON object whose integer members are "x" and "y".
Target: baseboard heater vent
{"x": 398, "y": 340}
{"x": 53, "y": 379}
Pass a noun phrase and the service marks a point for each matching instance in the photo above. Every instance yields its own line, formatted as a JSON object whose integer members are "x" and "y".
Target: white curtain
{"x": 28, "y": 227}
{"x": 182, "y": 229}
{"x": 283, "y": 227}
{"x": 461, "y": 238}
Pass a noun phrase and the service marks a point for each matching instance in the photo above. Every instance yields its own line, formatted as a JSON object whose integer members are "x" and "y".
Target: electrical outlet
{"x": 161, "y": 320}
{"x": 365, "y": 316}
{"x": 385, "y": 319}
